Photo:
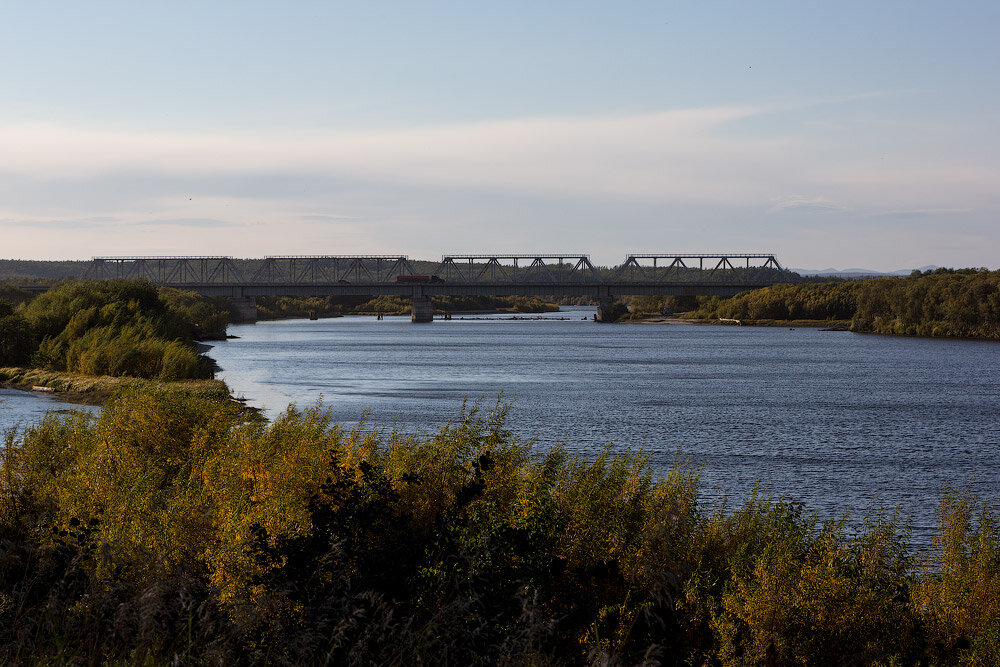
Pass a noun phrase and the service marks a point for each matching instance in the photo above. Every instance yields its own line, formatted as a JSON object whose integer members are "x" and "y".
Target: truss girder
{"x": 165, "y": 270}
{"x": 730, "y": 268}
{"x": 484, "y": 269}
{"x": 518, "y": 269}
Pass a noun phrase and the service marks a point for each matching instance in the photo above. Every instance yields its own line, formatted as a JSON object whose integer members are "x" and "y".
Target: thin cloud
{"x": 922, "y": 213}
{"x": 191, "y": 222}
{"x": 674, "y": 176}
{"x": 650, "y": 155}
{"x": 327, "y": 218}
{"x": 799, "y": 204}
{"x": 669, "y": 157}
{"x": 96, "y": 222}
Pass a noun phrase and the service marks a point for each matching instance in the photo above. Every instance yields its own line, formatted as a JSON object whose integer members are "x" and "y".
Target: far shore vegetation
{"x": 945, "y": 302}
{"x": 281, "y": 307}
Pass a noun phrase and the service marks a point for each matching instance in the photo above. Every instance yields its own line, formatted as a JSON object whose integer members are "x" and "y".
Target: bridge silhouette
{"x": 555, "y": 274}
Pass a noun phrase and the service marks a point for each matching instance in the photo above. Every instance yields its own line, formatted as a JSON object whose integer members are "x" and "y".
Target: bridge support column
{"x": 246, "y": 309}
{"x": 423, "y": 310}
{"x": 609, "y": 311}
{"x": 604, "y": 309}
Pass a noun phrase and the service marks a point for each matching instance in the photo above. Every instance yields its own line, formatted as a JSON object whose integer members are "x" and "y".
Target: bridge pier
{"x": 608, "y": 310}
{"x": 604, "y": 307}
{"x": 246, "y": 309}
{"x": 422, "y": 309}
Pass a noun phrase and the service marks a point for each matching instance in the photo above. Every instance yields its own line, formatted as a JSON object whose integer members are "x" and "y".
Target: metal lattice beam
{"x": 507, "y": 272}
{"x": 165, "y": 270}
{"x": 552, "y": 268}
{"x": 734, "y": 268}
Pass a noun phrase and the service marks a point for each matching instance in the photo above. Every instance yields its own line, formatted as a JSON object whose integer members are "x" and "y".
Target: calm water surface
{"x": 20, "y": 408}
{"x": 835, "y": 419}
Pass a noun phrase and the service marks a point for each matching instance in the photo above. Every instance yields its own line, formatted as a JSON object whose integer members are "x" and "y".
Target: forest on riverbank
{"x": 943, "y": 302}
{"x": 179, "y": 530}
{"x": 282, "y": 307}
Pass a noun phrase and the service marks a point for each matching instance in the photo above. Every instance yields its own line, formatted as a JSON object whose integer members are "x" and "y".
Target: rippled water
{"x": 834, "y": 419}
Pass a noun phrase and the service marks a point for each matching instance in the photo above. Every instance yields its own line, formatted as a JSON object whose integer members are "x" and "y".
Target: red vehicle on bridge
{"x": 418, "y": 279}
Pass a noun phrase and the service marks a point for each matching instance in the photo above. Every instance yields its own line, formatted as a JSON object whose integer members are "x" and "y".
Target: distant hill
{"x": 29, "y": 269}
{"x": 859, "y": 273}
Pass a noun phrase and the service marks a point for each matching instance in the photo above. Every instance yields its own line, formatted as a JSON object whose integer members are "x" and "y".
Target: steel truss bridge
{"x": 557, "y": 274}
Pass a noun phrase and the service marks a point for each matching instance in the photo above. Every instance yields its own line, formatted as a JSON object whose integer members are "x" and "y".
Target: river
{"x": 835, "y": 419}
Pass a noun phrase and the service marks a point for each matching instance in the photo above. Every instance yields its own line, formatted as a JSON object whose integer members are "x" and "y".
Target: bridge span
{"x": 555, "y": 274}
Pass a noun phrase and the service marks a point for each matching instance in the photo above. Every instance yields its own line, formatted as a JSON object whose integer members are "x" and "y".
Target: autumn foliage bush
{"x": 117, "y": 328}
{"x": 174, "y": 529}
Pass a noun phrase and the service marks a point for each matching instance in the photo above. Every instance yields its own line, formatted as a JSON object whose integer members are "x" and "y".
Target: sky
{"x": 832, "y": 134}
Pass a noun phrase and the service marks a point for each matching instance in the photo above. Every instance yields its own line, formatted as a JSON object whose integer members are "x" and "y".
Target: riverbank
{"x": 93, "y": 390}
{"x": 826, "y": 325}
{"x": 943, "y": 303}
{"x": 832, "y": 325}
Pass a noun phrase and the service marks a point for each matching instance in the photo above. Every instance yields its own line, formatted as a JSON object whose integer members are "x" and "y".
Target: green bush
{"x": 120, "y": 328}
{"x": 208, "y": 316}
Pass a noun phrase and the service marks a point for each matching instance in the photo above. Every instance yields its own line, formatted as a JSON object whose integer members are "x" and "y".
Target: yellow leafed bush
{"x": 180, "y": 529}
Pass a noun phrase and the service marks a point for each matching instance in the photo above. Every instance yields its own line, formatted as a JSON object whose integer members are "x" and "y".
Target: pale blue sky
{"x": 832, "y": 134}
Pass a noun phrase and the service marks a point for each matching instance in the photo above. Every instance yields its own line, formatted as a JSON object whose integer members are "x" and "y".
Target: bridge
{"x": 556, "y": 274}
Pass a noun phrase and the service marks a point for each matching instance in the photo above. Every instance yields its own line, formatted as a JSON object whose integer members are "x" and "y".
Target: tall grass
{"x": 119, "y": 328}
{"x": 179, "y": 529}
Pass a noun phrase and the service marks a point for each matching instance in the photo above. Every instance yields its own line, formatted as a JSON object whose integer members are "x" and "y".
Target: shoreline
{"x": 825, "y": 325}
{"x": 90, "y": 390}
{"x": 96, "y": 391}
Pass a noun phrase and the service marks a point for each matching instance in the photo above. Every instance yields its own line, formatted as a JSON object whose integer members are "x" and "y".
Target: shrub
{"x": 180, "y": 529}
{"x": 119, "y": 328}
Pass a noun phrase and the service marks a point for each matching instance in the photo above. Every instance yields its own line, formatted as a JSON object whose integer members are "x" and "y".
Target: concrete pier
{"x": 246, "y": 309}
{"x": 423, "y": 310}
{"x": 604, "y": 308}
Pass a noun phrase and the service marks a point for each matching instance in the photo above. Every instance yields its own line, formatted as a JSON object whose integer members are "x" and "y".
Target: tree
{"x": 17, "y": 341}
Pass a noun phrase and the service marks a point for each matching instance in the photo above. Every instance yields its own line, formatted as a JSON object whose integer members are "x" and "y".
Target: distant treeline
{"x": 943, "y": 302}
{"x": 451, "y": 304}
{"x": 178, "y": 530}
{"x": 117, "y": 328}
{"x": 278, "y": 307}
{"x": 30, "y": 270}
